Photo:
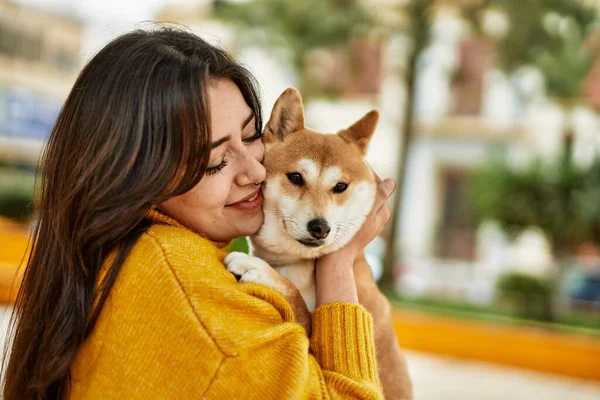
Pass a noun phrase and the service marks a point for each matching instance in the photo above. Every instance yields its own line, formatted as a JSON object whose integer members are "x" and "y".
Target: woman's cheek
{"x": 258, "y": 150}
{"x": 221, "y": 188}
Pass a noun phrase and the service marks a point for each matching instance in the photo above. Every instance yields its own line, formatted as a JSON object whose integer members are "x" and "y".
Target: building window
{"x": 455, "y": 236}
{"x": 355, "y": 71}
{"x": 468, "y": 84}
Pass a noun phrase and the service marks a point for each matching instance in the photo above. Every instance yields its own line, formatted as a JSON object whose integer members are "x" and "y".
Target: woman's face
{"x": 227, "y": 202}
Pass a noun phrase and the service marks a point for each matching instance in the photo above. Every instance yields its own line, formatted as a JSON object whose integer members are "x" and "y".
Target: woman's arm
{"x": 346, "y": 273}
{"x": 277, "y": 361}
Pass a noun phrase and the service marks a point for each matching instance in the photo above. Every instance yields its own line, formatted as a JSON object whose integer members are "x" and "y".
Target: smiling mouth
{"x": 309, "y": 243}
{"x": 249, "y": 199}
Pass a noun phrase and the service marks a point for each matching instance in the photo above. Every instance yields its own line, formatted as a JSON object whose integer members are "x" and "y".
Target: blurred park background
{"x": 490, "y": 122}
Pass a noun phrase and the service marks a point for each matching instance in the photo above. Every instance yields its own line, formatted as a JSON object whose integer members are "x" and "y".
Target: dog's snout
{"x": 319, "y": 228}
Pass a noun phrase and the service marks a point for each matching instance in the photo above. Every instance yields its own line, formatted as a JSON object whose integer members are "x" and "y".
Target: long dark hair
{"x": 133, "y": 132}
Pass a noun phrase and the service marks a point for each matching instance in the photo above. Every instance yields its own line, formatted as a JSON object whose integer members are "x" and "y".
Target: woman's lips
{"x": 251, "y": 202}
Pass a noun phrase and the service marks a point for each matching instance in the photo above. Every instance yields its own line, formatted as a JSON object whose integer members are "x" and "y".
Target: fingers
{"x": 384, "y": 191}
{"x": 388, "y": 186}
{"x": 377, "y": 177}
{"x": 379, "y": 181}
{"x": 382, "y": 211}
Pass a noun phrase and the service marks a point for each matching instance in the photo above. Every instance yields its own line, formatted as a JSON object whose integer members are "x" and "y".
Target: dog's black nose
{"x": 319, "y": 228}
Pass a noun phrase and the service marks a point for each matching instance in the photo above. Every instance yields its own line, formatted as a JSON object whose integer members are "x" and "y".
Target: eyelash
{"x": 257, "y": 135}
{"x": 214, "y": 170}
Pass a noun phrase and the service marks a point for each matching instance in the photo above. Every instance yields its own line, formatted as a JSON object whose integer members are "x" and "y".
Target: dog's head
{"x": 318, "y": 189}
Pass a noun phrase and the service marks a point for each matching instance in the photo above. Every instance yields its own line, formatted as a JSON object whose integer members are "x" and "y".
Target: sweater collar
{"x": 158, "y": 217}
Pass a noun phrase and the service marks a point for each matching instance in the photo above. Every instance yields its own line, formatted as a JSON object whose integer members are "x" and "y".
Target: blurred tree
{"x": 295, "y": 29}
{"x": 417, "y": 18}
{"x": 557, "y": 197}
{"x": 530, "y": 297}
{"x": 561, "y": 39}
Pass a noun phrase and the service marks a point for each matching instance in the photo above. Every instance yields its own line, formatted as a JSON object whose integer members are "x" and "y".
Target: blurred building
{"x": 466, "y": 112}
{"x": 39, "y": 58}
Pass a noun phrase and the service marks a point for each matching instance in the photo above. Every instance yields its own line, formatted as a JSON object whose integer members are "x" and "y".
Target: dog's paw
{"x": 252, "y": 269}
{"x": 240, "y": 263}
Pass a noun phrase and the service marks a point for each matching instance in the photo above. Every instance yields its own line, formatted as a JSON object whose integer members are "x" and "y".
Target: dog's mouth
{"x": 304, "y": 242}
{"x": 311, "y": 243}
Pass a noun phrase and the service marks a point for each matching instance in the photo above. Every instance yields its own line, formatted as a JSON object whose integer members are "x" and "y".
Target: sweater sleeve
{"x": 278, "y": 361}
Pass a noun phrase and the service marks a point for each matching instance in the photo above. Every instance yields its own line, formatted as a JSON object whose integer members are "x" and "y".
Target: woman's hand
{"x": 334, "y": 274}
{"x": 374, "y": 223}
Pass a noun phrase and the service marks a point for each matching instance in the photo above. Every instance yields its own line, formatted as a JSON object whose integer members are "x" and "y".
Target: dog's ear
{"x": 361, "y": 131}
{"x": 287, "y": 116}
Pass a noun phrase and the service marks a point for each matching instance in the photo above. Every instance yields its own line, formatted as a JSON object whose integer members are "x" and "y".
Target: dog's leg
{"x": 254, "y": 269}
{"x": 393, "y": 372}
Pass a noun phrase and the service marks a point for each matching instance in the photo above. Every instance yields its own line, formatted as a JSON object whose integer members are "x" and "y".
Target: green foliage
{"x": 571, "y": 321}
{"x": 240, "y": 244}
{"x": 16, "y": 193}
{"x": 529, "y": 296}
{"x": 298, "y": 26}
{"x": 420, "y": 16}
{"x": 588, "y": 201}
{"x": 528, "y": 33}
{"x": 557, "y": 197}
{"x": 567, "y": 66}
{"x": 552, "y": 35}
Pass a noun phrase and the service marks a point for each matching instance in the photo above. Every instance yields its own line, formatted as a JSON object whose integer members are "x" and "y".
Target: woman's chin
{"x": 247, "y": 227}
{"x": 254, "y": 226}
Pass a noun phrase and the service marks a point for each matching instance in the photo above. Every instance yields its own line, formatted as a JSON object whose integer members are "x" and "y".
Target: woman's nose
{"x": 252, "y": 171}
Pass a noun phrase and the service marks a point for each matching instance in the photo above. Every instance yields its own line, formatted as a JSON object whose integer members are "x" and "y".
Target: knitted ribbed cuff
{"x": 343, "y": 341}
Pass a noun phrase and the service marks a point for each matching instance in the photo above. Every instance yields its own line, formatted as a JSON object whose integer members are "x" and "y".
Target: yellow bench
{"x": 14, "y": 239}
{"x": 568, "y": 354}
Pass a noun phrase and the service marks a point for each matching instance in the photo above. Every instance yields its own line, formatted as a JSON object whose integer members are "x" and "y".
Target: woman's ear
{"x": 287, "y": 117}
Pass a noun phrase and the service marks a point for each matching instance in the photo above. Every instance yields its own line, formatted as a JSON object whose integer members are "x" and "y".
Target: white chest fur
{"x": 302, "y": 274}
{"x": 300, "y": 271}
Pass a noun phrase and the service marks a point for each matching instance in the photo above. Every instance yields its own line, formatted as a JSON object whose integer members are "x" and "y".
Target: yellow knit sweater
{"x": 177, "y": 325}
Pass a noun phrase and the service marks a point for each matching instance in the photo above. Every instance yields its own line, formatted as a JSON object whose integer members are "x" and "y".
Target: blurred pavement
{"x": 437, "y": 378}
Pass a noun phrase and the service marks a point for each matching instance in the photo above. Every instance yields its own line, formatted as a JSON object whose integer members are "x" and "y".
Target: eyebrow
{"x": 219, "y": 142}
{"x": 224, "y": 139}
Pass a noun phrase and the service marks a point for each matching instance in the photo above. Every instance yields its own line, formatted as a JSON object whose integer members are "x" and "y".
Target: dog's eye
{"x": 340, "y": 187}
{"x": 296, "y": 178}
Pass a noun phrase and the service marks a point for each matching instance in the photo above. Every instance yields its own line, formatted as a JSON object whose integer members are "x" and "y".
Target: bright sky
{"x": 95, "y": 11}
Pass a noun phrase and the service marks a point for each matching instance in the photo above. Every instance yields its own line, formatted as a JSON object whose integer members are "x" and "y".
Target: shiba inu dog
{"x": 317, "y": 194}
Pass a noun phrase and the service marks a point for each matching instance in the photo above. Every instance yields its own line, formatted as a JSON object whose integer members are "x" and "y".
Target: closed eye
{"x": 258, "y": 135}
{"x": 217, "y": 168}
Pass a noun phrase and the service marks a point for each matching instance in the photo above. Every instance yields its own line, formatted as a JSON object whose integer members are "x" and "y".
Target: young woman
{"x": 153, "y": 166}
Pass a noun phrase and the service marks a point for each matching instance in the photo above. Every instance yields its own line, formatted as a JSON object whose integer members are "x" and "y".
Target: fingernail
{"x": 389, "y": 185}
